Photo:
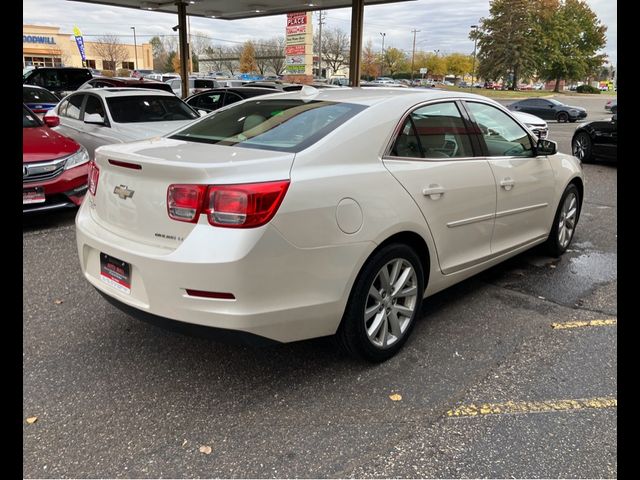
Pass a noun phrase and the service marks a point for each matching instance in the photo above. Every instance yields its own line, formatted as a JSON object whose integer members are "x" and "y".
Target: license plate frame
{"x": 33, "y": 195}
{"x": 115, "y": 273}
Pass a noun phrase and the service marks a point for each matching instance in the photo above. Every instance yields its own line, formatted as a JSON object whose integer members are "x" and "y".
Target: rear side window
{"x": 198, "y": 83}
{"x": 74, "y": 78}
{"x": 434, "y": 131}
{"x": 208, "y": 101}
{"x": 133, "y": 109}
{"x": 94, "y": 107}
{"x": 282, "y": 125}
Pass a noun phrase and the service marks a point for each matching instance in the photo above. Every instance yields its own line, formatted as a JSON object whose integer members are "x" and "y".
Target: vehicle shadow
{"x": 48, "y": 220}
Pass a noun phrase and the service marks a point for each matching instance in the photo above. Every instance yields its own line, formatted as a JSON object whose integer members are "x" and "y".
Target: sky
{"x": 443, "y": 24}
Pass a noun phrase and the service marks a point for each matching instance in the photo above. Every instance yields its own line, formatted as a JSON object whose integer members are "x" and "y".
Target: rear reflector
{"x": 202, "y": 293}
{"x": 94, "y": 174}
{"x": 118, "y": 163}
{"x": 184, "y": 202}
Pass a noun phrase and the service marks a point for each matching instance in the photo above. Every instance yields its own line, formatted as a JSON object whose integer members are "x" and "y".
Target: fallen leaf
{"x": 552, "y": 266}
{"x": 58, "y": 302}
{"x": 31, "y": 420}
{"x": 206, "y": 449}
{"x": 396, "y": 397}
{"x": 184, "y": 443}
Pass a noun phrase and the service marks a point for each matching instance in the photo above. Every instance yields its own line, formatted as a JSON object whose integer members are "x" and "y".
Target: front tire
{"x": 562, "y": 117}
{"x": 383, "y": 306}
{"x": 581, "y": 147}
{"x": 564, "y": 222}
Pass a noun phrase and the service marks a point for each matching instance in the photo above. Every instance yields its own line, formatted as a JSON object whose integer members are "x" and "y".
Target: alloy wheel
{"x": 567, "y": 221}
{"x": 581, "y": 146}
{"x": 391, "y": 303}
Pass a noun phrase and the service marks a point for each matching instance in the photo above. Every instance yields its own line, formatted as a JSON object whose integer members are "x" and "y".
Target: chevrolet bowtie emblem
{"x": 123, "y": 192}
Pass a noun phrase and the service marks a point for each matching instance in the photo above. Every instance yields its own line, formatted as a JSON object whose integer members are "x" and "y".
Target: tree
{"x": 395, "y": 60}
{"x": 369, "y": 65}
{"x": 109, "y": 48}
{"x": 158, "y": 52}
{"x": 274, "y": 49}
{"x": 459, "y": 64}
{"x": 508, "y": 46}
{"x": 171, "y": 65}
{"x": 335, "y": 48}
{"x": 436, "y": 66}
{"x": 248, "y": 58}
{"x": 573, "y": 36}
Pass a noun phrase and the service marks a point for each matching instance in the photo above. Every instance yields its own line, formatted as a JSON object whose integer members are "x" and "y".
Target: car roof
{"x": 126, "y": 79}
{"x": 375, "y": 95}
{"x": 109, "y": 92}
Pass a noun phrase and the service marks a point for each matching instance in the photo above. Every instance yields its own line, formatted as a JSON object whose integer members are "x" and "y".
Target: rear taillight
{"x": 184, "y": 202}
{"x": 244, "y": 206}
{"x": 92, "y": 180}
{"x": 233, "y": 206}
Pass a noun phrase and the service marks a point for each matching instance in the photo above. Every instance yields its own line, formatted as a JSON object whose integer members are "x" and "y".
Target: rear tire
{"x": 564, "y": 222}
{"x": 383, "y": 306}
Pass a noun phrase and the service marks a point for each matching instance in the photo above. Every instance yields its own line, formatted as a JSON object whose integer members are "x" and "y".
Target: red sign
{"x": 296, "y": 29}
{"x": 296, "y": 18}
{"x": 294, "y": 50}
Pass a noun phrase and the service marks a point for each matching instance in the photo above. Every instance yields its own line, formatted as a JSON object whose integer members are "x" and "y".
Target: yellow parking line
{"x": 473, "y": 410}
{"x": 589, "y": 323}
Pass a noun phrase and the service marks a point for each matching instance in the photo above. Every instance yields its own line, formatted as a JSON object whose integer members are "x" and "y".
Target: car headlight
{"x": 573, "y": 111}
{"x": 79, "y": 158}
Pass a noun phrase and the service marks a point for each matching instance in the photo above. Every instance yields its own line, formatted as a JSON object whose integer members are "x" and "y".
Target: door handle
{"x": 507, "y": 183}
{"x": 434, "y": 191}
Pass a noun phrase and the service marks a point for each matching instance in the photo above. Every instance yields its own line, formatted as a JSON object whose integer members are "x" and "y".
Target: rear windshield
{"x": 29, "y": 120}
{"x": 134, "y": 109}
{"x": 282, "y": 125}
{"x": 34, "y": 95}
{"x": 165, "y": 87}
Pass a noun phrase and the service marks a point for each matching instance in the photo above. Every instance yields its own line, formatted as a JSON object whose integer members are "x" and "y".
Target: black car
{"x": 596, "y": 140}
{"x": 549, "y": 109}
{"x": 58, "y": 80}
{"x": 215, "y": 98}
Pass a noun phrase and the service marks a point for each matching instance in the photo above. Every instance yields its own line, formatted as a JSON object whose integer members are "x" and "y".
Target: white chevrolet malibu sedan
{"x": 321, "y": 212}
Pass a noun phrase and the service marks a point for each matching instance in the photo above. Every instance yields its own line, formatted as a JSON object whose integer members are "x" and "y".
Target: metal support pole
{"x": 475, "y": 44}
{"x": 413, "y": 52}
{"x": 184, "y": 47}
{"x": 135, "y": 48}
{"x": 357, "y": 16}
{"x": 382, "y": 55}
{"x": 320, "y": 23}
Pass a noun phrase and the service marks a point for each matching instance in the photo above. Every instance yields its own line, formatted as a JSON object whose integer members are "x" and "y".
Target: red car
{"x": 54, "y": 167}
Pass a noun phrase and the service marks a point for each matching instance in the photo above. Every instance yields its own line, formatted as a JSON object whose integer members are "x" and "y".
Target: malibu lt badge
{"x": 123, "y": 192}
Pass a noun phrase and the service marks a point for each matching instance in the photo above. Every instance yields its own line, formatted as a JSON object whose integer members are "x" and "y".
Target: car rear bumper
{"x": 282, "y": 293}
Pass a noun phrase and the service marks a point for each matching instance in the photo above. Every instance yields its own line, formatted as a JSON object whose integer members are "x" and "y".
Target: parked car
{"x": 313, "y": 213}
{"x": 101, "y": 116}
{"x": 141, "y": 73}
{"x": 211, "y": 100}
{"x": 596, "y": 140}
{"x": 549, "y": 109}
{"x": 281, "y": 86}
{"x": 59, "y": 80}
{"x": 196, "y": 85}
{"x": 463, "y": 84}
{"x": 612, "y": 106}
{"x": 126, "y": 82}
{"x": 162, "y": 77}
{"x": 54, "y": 167}
{"x": 38, "y": 99}
{"x": 339, "y": 81}
{"x": 537, "y": 125}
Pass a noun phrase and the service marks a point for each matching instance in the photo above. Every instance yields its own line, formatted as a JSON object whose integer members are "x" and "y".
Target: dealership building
{"x": 48, "y": 47}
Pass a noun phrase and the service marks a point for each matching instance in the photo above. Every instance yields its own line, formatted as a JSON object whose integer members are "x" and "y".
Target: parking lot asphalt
{"x": 491, "y": 384}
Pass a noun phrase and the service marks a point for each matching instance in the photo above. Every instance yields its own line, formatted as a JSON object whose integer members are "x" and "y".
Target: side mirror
{"x": 203, "y": 113}
{"x": 94, "y": 118}
{"x": 546, "y": 147}
{"x": 51, "y": 121}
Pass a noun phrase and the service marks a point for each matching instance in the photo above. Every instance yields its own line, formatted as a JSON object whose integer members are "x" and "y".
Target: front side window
{"x": 502, "y": 135}
{"x": 147, "y": 108}
{"x": 94, "y": 107}
{"x": 282, "y": 125}
{"x": 434, "y": 131}
{"x": 208, "y": 101}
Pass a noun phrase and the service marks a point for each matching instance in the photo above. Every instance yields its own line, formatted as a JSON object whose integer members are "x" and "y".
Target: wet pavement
{"x": 116, "y": 397}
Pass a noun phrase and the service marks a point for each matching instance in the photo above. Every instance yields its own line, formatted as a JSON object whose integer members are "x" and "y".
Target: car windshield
{"x": 29, "y": 120}
{"x": 34, "y": 95}
{"x": 148, "y": 108}
{"x": 283, "y": 125}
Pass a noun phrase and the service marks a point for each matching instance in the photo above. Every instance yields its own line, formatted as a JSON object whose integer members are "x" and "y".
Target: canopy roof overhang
{"x": 239, "y": 9}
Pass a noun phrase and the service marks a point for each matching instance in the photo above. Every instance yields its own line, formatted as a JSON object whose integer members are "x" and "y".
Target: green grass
{"x": 501, "y": 93}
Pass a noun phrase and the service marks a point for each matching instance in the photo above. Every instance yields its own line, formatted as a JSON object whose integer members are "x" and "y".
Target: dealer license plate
{"x": 116, "y": 273}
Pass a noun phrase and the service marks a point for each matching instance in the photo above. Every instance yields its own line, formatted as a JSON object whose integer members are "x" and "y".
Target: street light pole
{"x": 135, "y": 48}
{"x": 413, "y": 53}
{"x": 475, "y": 44}
{"x": 382, "y": 56}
